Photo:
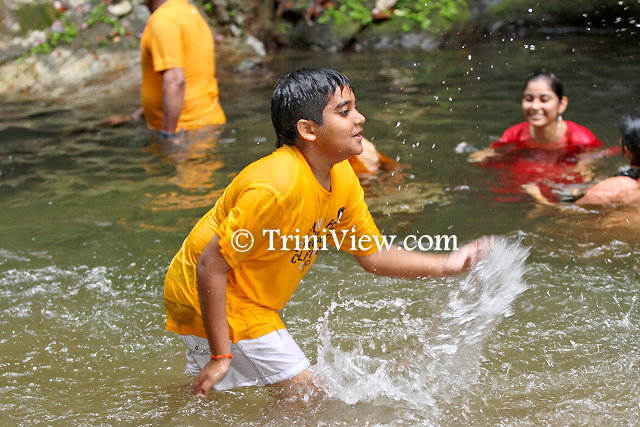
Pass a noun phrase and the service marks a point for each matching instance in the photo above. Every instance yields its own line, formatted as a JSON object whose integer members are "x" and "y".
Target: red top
{"x": 575, "y": 140}
{"x": 522, "y": 160}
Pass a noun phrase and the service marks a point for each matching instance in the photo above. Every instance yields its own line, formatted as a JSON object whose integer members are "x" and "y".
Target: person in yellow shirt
{"x": 179, "y": 87}
{"x": 243, "y": 260}
{"x": 371, "y": 161}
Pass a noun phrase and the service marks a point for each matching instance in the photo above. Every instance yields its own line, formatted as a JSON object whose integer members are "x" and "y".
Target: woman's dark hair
{"x": 555, "y": 83}
{"x": 630, "y": 134}
{"x": 302, "y": 94}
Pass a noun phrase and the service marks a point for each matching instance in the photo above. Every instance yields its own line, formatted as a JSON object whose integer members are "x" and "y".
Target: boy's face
{"x": 340, "y": 136}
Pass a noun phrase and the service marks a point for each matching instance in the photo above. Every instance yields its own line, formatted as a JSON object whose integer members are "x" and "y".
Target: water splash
{"x": 445, "y": 360}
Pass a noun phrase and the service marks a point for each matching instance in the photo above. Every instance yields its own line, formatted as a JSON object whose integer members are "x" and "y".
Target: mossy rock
{"x": 395, "y": 34}
{"x": 38, "y": 16}
{"x": 324, "y": 36}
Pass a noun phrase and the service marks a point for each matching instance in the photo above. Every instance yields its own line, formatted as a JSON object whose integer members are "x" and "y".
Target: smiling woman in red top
{"x": 545, "y": 148}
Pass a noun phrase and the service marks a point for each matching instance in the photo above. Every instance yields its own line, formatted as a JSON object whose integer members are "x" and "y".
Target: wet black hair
{"x": 629, "y": 126}
{"x": 302, "y": 94}
{"x": 556, "y": 85}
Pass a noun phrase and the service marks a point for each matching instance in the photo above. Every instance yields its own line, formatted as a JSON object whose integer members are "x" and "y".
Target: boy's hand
{"x": 467, "y": 256}
{"x": 212, "y": 373}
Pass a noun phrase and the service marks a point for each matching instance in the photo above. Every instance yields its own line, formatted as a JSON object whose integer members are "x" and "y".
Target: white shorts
{"x": 265, "y": 360}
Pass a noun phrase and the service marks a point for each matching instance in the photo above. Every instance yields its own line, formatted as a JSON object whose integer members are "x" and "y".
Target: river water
{"x": 545, "y": 331}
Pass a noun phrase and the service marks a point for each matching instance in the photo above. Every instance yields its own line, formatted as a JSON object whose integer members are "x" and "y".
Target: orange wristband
{"x": 222, "y": 356}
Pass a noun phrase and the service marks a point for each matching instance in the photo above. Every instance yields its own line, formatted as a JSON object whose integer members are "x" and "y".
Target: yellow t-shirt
{"x": 177, "y": 36}
{"x": 280, "y": 193}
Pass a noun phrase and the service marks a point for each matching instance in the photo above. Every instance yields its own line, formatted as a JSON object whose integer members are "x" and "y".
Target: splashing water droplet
{"x": 445, "y": 360}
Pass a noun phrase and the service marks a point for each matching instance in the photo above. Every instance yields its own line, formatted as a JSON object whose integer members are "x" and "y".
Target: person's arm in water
{"x": 481, "y": 155}
{"x": 138, "y": 114}
{"x": 371, "y": 161}
{"x": 211, "y": 273}
{"x": 173, "y": 86}
{"x": 396, "y": 262}
{"x": 534, "y": 191}
{"x": 587, "y": 160}
{"x": 367, "y": 162}
{"x": 119, "y": 119}
{"x": 614, "y": 190}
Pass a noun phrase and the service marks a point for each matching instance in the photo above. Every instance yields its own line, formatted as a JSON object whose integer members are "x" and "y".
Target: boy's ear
{"x": 306, "y": 130}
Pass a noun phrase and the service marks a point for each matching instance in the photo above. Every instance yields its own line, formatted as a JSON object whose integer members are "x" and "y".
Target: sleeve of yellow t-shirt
{"x": 242, "y": 233}
{"x": 166, "y": 44}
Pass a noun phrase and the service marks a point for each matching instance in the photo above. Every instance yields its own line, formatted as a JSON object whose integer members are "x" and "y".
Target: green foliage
{"x": 347, "y": 10}
{"x": 54, "y": 38}
{"x": 100, "y": 15}
{"x": 411, "y": 13}
{"x": 283, "y": 29}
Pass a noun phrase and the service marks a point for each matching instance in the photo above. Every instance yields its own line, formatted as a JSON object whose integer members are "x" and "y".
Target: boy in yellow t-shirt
{"x": 243, "y": 260}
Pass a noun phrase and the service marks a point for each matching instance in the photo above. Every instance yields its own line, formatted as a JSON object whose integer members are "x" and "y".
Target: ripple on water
{"x": 73, "y": 334}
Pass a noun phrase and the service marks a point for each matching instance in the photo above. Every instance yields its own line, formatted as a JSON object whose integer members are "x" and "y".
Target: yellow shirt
{"x": 280, "y": 193}
{"x": 177, "y": 36}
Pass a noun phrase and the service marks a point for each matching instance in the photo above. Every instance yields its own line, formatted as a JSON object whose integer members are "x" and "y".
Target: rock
{"x": 385, "y": 4}
{"x": 69, "y": 73}
{"x": 257, "y": 46}
{"x": 36, "y": 16}
{"x": 57, "y": 26}
{"x": 76, "y": 3}
{"x": 140, "y": 14}
{"x": 324, "y": 36}
{"x": 390, "y": 35}
{"x": 120, "y": 9}
{"x": 11, "y": 48}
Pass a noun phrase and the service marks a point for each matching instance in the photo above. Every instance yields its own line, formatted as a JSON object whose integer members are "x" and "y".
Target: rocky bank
{"x": 55, "y": 48}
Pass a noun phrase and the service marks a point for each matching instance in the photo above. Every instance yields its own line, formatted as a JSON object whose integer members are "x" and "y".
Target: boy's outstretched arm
{"x": 414, "y": 264}
{"x": 211, "y": 273}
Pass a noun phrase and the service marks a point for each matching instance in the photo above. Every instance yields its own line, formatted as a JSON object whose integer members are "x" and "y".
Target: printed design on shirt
{"x": 314, "y": 241}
